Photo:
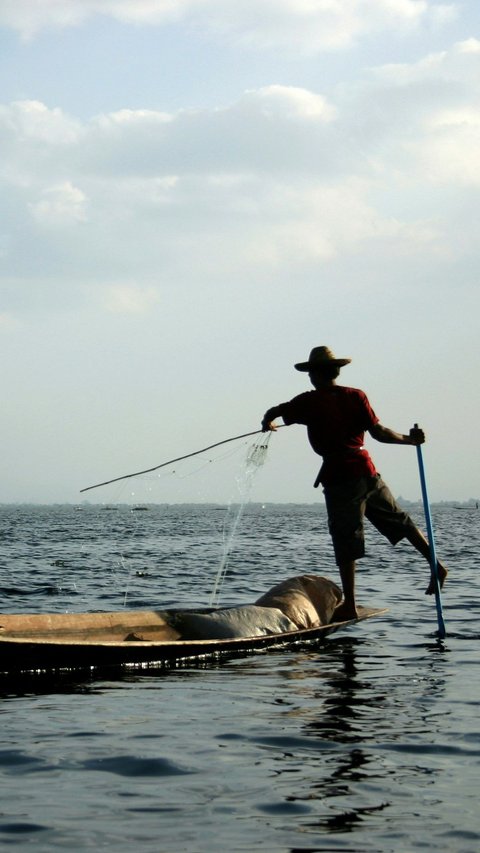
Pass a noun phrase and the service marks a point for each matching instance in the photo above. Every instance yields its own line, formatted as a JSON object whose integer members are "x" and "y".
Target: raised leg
{"x": 418, "y": 540}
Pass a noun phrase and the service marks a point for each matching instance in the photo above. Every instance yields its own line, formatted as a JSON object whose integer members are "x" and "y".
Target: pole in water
{"x": 431, "y": 540}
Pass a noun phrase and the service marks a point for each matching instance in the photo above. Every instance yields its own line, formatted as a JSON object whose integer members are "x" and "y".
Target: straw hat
{"x": 318, "y": 358}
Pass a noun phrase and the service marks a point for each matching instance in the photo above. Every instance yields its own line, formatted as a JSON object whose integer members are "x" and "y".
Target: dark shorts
{"x": 350, "y": 502}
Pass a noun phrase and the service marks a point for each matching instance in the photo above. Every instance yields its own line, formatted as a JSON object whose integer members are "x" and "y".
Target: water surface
{"x": 370, "y": 742}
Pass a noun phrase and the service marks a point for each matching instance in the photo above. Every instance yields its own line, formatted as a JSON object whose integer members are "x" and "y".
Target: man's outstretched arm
{"x": 381, "y": 433}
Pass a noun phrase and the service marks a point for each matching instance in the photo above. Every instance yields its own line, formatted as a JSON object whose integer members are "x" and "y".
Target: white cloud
{"x": 431, "y": 110}
{"x": 34, "y": 140}
{"x": 130, "y": 299}
{"x": 456, "y": 118}
{"x": 451, "y": 152}
{"x": 60, "y": 206}
{"x": 471, "y": 45}
{"x": 460, "y": 63}
{"x": 282, "y": 177}
{"x": 125, "y": 118}
{"x": 305, "y": 25}
{"x": 291, "y": 102}
{"x": 33, "y": 121}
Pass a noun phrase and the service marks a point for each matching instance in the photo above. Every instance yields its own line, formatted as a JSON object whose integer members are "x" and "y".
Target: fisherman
{"x": 336, "y": 418}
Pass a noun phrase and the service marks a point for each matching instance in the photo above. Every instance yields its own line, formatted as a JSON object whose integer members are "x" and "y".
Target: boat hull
{"x": 85, "y": 642}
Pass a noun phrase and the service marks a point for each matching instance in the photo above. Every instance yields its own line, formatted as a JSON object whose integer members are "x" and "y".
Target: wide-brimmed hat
{"x": 318, "y": 358}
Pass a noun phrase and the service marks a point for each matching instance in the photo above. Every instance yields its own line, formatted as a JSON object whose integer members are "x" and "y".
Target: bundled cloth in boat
{"x": 308, "y": 600}
{"x": 304, "y": 601}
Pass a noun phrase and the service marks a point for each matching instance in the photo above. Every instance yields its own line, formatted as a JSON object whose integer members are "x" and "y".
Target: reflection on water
{"x": 366, "y": 741}
{"x": 335, "y": 702}
{"x": 341, "y": 719}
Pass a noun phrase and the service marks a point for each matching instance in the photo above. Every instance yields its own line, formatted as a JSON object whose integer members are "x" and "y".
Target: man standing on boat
{"x": 337, "y": 418}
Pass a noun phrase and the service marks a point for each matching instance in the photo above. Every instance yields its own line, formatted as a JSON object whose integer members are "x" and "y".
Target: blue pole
{"x": 431, "y": 540}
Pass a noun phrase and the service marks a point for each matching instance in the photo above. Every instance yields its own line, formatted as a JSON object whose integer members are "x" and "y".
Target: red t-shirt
{"x": 336, "y": 419}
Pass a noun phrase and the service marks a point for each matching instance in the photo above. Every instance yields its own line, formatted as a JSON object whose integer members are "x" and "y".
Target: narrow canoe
{"x": 129, "y": 640}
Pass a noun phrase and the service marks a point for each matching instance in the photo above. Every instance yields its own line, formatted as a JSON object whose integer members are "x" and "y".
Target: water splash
{"x": 256, "y": 457}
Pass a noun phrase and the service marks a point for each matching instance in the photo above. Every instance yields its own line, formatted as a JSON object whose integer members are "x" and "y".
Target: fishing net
{"x": 257, "y": 454}
{"x": 256, "y": 457}
{"x": 220, "y": 476}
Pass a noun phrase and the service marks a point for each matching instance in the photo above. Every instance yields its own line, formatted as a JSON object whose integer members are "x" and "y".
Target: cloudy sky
{"x": 194, "y": 193}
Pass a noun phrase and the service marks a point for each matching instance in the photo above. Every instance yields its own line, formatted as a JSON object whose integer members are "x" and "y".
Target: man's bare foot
{"x": 442, "y": 573}
{"x": 344, "y": 612}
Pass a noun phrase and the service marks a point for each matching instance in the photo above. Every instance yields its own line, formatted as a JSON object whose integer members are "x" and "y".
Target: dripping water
{"x": 256, "y": 457}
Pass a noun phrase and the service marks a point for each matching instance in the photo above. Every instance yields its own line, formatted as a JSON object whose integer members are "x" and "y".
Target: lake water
{"x": 369, "y": 743}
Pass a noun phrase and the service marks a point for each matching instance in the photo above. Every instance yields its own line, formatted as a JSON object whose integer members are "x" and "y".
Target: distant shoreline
{"x": 471, "y": 504}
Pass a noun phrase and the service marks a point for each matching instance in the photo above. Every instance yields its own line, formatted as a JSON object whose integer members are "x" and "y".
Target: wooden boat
{"x": 130, "y": 640}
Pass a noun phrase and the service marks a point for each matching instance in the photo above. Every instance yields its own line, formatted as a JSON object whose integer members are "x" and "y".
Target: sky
{"x": 194, "y": 194}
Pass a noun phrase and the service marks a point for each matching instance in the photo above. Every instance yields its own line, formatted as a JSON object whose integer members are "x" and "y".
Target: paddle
{"x": 171, "y": 461}
{"x": 431, "y": 540}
